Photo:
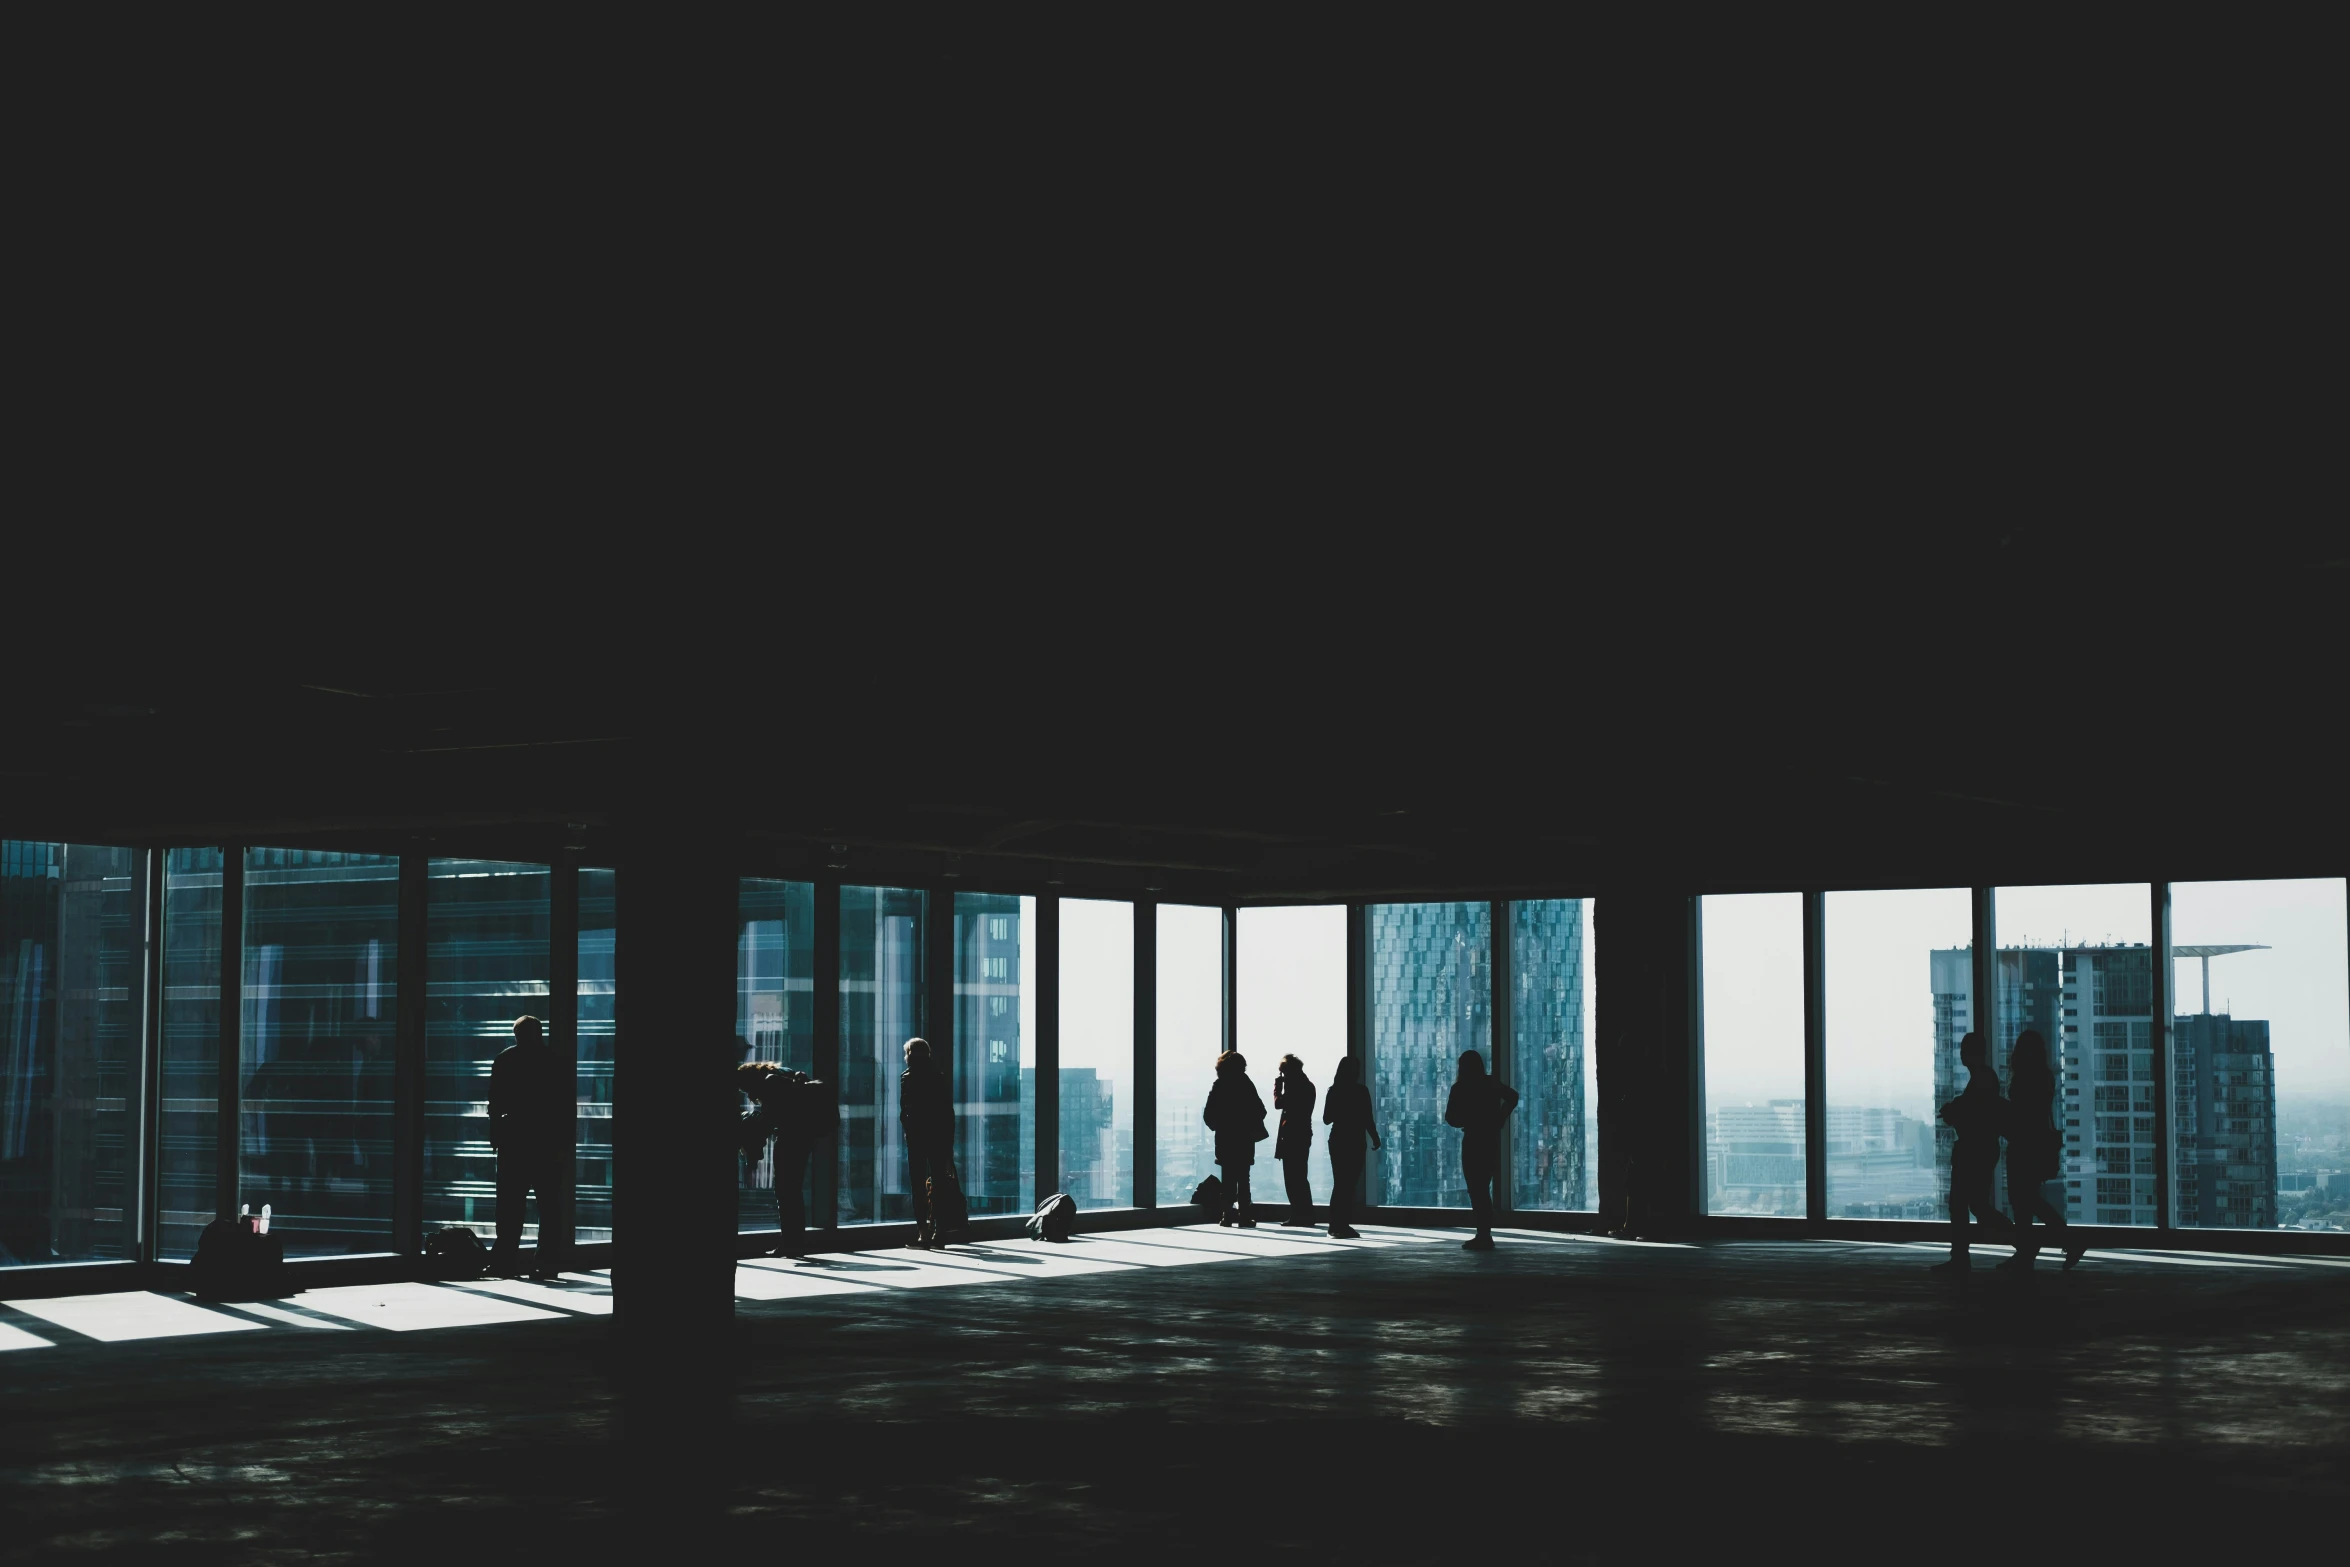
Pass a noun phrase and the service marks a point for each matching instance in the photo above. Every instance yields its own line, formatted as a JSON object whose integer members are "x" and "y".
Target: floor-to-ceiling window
{"x": 1552, "y": 1065}
{"x": 994, "y": 1046}
{"x": 190, "y": 1097}
{"x": 591, "y": 1214}
{"x": 1753, "y": 999}
{"x": 486, "y": 965}
{"x": 881, "y": 968}
{"x": 1190, "y": 1037}
{"x": 1097, "y": 1052}
{"x": 2075, "y": 964}
{"x": 320, "y": 1001}
{"x": 1431, "y": 1000}
{"x": 1290, "y": 982}
{"x": 69, "y": 1051}
{"x": 774, "y": 1002}
{"x": 1900, "y": 980}
{"x": 2260, "y": 1055}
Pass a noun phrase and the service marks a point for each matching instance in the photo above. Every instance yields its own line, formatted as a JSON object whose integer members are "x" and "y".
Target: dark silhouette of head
{"x": 528, "y": 1030}
{"x": 1291, "y": 1066}
{"x": 753, "y": 1077}
{"x": 2027, "y": 1063}
{"x": 1229, "y": 1062}
{"x": 1472, "y": 1065}
{"x": 1971, "y": 1053}
{"x": 918, "y": 1053}
{"x": 1345, "y": 1072}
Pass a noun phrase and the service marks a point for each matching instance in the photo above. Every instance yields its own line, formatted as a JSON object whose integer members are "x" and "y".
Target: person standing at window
{"x": 1236, "y": 1114}
{"x": 926, "y": 1113}
{"x": 1293, "y": 1096}
{"x": 2033, "y": 1149}
{"x": 1346, "y": 1110}
{"x": 1477, "y": 1105}
{"x": 534, "y": 1096}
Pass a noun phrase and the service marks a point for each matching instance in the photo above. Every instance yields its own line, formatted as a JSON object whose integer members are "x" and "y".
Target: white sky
{"x": 1880, "y": 1008}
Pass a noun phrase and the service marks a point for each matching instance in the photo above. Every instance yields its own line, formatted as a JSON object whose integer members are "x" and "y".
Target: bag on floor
{"x": 455, "y": 1252}
{"x": 234, "y": 1261}
{"x": 1210, "y": 1195}
{"x": 948, "y": 1212}
{"x": 1056, "y": 1219}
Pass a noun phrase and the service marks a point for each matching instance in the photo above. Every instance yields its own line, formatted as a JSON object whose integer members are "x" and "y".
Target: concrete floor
{"x": 1561, "y": 1398}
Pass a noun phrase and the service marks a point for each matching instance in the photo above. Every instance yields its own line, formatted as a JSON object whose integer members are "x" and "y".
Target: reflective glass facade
{"x": 1431, "y": 999}
{"x": 486, "y": 964}
{"x": 1754, "y": 1100}
{"x": 599, "y": 1047}
{"x": 1191, "y": 1035}
{"x": 1554, "y": 1135}
{"x": 883, "y": 934}
{"x": 318, "y": 1027}
{"x": 1097, "y": 1053}
{"x": 69, "y": 1052}
{"x": 774, "y": 1015}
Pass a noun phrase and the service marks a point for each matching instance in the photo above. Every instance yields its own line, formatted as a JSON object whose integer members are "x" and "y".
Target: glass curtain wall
{"x": 1097, "y": 1052}
{"x": 1900, "y": 979}
{"x": 1291, "y": 974}
{"x": 1431, "y": 999}
{"x": 1552, "y": 1066}
{"x": 2260, "y": 1056}
{"x": 774, "y": 1001}
{"x": 1191, "y": 1036}
{"x": 318, "y": 1030}
{"x": 190, "y": 1107}
{"x": 994, "y": 1051}
{"x": 486, "y": 964}
{"x": 69, "y": 1048}
{"x": 2073, "y": 962}
{"x": 881, "y": 967}
{"x": 591, "y": 1204}
{"x": 1753, "y": 1001}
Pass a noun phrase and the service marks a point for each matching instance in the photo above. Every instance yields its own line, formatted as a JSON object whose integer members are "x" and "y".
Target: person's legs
{"x": 1480, "y": 1178}
{"x": 791, "y": 1217}
{"x": 513, "y": 1192}
{"x": 1246, "y": 1205}
{"x": 1301, "y": 1192}
{"x": 1964, "y": 1194}
{"x": 918, "y": 1172}
{"x": 1230, "y": 1212}
{"x": 1345, "y": 1176}
{"x": 551, "y": 1183}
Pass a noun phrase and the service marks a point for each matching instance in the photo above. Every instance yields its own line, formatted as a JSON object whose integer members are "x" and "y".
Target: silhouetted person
{"x": 926, "y": 1112}
{"x": 1236, "y": 1114}
{"x": 2034, "y": 1149}
{"x": 534, "y": 1100}
{"x": 1978, "y": 1114}
{"x": 1293, "y": 1096}
{"x": 1477, "y": 1105}
{"x": 795, "y": 1110}
{"x": 1347, "y": 1111}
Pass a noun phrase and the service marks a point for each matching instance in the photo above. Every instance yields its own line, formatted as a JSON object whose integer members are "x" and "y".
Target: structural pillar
{"x": 1146, "y": 1052}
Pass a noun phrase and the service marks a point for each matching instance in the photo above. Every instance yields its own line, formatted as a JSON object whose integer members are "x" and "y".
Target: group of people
{"x": 2026, "y": 1118}
{"x": 1235, "y": 1112}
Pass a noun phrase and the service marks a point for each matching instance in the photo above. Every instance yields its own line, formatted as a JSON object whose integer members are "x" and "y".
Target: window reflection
{"x": 598, "y": 1050}
{"x": 881, "y": 966}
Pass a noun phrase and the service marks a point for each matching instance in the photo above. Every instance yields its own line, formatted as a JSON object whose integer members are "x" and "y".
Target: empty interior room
{"x": 1597, "y": 1052}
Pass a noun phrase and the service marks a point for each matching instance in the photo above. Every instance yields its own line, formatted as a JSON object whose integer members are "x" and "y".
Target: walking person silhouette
{"x": 1978, "y": 1115}
{"x": 2034, "y": 1151}
{"x": 1293, "y": 1096}
{"x": 1477, "y": 1105}
{"x": 534, "y": 1099}
{"x": 1347, "y": 1111}
{"x": 1236, "y": 1114}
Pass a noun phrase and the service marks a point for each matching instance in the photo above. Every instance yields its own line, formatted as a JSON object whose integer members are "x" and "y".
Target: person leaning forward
{"x": 926, "y": 1113}
{"x": 534, "y": 1098}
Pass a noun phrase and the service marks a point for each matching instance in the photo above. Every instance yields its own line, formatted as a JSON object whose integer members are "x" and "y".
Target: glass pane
{"x": 1431, "y": 999}
{"x": 69, "y": 1050}
{"x": 1191, "y": 1036}
{"x": 995, "y": 1052}
{"x": 1900, "y": 969}
{"x": 191, "y": 1048}
{"x": 317, "y": 1027}
{"x": 1290, "y": 966}
{"x": 486, "y": 959}
{"x": 598, "y": 1049}
{"x": 2260, "y": 1055}
{"x": 774, "y": 983}
{"x": 1551, "y": 1063}
{"x": 2074, "y": 964}
{"x": 881, "y": 959}
{"x": 1097, "y": 1052}
{"x": 1753, "y": 981}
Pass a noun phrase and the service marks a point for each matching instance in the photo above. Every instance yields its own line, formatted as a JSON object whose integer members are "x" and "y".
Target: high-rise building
{"x": 1755, "y": 1158}
{"x": 1431, "y": 999}
{"x": 1550, "y": 1131}
{"x": 2225, "y": 1124}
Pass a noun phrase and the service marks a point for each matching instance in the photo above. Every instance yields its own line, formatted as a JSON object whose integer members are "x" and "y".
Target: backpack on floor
{"x": 947, "y": 1208}
{"x": 235, "y": 1262}
{"x": 1056, "y": 1219}
{"x": 1210, "y": 1195}
{"x": 455, "y": 1252}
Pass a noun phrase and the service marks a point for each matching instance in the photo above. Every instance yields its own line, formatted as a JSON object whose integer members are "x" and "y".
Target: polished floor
{"x": 1174, "y": 1394}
